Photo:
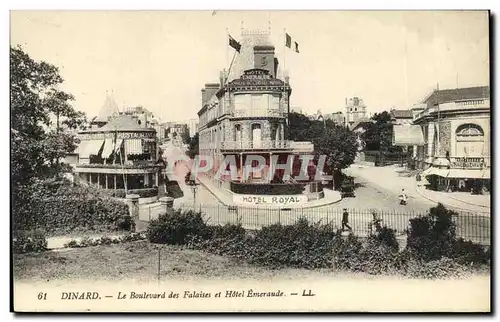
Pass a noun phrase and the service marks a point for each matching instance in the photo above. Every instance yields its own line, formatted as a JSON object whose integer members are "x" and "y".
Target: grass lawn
{"x": 138, "y": 261}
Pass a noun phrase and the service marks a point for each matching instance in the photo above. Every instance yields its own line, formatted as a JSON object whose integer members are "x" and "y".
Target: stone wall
{"x": 444, "y": 138}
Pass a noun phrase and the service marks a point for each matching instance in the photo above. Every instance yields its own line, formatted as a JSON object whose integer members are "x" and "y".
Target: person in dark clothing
{"x": 345, "y": 220}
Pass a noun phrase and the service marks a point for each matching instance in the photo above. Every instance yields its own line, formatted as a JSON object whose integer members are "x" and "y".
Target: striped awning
{"x": 436, "y": 171}
{"x": 119, "y": 145}
{"x": 133, "y": 146}
{"x": 486, "y": 174}
{"x": 108, "y": 148}
{"x": 86, "y": 148}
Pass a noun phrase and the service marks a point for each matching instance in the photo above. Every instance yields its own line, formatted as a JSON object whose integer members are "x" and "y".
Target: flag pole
{"x": 284, "y": 84}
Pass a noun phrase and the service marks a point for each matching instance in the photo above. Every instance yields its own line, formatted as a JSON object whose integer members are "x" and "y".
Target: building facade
{"x": 120, "y": 156}
{"x": 355, "y": 110}
{"x": 247, "y": 115}
{"x": 193, "y": 127}
{"x": 455, "y": 125}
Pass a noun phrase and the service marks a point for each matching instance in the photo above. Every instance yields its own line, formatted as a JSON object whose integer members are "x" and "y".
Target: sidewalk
{"x": 458, "y": 200}
{"x": 388, "y": 178}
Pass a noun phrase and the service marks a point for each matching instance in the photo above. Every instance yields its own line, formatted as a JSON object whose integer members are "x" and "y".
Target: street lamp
{"x": 193, "y": 190}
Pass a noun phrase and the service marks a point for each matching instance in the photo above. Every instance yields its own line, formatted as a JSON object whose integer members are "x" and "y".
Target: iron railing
{"x": 469, "y": 226}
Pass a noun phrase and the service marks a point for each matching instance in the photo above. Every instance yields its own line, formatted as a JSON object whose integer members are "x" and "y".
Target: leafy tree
{"x": 186, "y": 138}
{"x": 378, "y": 135}
{"x": 340, "y": 146}
{"x": 193, "y": 148}
{"x": 301, "y": 128}
{"x": 42, "y": 128}
{"x": 42, "y": 121}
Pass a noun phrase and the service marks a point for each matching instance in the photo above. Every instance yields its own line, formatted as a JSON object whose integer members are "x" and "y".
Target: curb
{"x": 257, "y": 207}
{"x": 446, "y": 204}
{"x": 470, "y": 203}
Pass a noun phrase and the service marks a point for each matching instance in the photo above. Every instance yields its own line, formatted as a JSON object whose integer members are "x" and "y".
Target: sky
{"x": 161, "y": 59}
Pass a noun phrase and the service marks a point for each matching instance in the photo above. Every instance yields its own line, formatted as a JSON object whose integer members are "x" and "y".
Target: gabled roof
{"x": 458, "y": 94}
{"x": 402, "y": 114}
{"x": 109, "y": 109}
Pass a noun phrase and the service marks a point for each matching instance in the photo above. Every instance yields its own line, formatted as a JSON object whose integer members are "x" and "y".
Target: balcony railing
{"x": 128, "y": 165}
{"x": 259, "y": 113}
{"x": 255, "y": 145}
{"x": 472, "y": 104}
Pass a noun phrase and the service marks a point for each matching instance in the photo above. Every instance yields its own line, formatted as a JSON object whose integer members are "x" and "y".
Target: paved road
{"x": 368, "y": 197}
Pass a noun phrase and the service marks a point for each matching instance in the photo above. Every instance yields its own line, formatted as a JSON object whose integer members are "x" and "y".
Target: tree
{"x": 340, "y": 147}
{"x": 36, "y": 104}
{"x": 37, "y": 144}
{"x": 193, "y": 148}
{"x": 378, "y": 135}
{"x": 186, "y": 138}
{"x": 301, "y": 128}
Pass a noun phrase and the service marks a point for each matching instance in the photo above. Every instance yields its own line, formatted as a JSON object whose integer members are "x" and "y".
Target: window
{"x": 355, "y": 109}
{"x": 469, "y": 140}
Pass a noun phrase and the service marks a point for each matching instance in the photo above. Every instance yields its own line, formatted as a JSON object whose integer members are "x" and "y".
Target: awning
{"x": 108, "y": 148}
{"x": 426, "y": 172}
{"x": 486, "y": 174}
{"x": 86, "y": 148}
{"x": 407, "y": 135}
{"x": 465, "y": 174}
{"x": 119, "y": 145}
{"x": 436, "y": 171}
{"x": 133, "y": 146}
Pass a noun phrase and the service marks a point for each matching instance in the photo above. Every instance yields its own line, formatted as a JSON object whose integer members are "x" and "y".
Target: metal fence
{"x": 469, "y": 226}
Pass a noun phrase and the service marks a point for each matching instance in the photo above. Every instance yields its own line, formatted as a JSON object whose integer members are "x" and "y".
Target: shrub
{"x": 27, "y": 242}
{"x": 175, "y": 228}
{"x": 467, "y": 252}
{"x": 433, "y": 237}
{"x": 385, "y": 236}
{"x": 346, "y": 252}
{"x": 58, "y": 205}
{"x": 299, "y": 245}
{"x": 436, "y": 269}
{"x": 126, "y": 223}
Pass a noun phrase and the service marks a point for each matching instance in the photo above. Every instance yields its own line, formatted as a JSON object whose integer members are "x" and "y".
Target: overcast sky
{"x": 161, "y": 59}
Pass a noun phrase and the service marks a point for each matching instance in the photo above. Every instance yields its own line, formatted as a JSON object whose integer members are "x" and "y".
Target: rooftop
{"x": 401, "y": 114}
{"x": 122, "y": 123}
{"x": 457, "y": 94}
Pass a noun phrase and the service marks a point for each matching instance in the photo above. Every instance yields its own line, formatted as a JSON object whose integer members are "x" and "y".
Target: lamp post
{"x": 193, "y": 190}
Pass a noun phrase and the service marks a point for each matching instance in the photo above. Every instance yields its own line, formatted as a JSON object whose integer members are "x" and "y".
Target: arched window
{"x": 469, "y": 140}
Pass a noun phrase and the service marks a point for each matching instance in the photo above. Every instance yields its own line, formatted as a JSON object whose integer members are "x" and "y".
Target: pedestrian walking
{"x": 345, "y": 220}
{"x": 402, "y": 197}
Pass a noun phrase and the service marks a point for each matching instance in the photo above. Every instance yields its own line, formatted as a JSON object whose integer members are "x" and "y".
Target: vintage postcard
{"x": 250, "y": 161}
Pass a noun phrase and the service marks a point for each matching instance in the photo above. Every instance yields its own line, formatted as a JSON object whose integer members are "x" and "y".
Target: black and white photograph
{"x": 250, "y": 161}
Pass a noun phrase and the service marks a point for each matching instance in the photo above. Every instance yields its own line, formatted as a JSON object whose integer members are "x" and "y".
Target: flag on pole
{"x": 233, "y": 43}
{"x": 288, "y": 43}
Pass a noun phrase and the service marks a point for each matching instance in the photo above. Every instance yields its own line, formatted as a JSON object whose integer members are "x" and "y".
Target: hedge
{"x": 58, "y": 205}
{"x": 432, "y": 249}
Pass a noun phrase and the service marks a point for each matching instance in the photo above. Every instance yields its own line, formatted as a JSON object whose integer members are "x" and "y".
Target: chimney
{"x": 210, "y": 90}
{"x": 264, "y": 59}
{"x": 203, "y": 96}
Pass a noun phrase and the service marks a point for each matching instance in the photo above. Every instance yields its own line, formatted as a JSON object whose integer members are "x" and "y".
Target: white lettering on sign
{"x": 270, "y": 200}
